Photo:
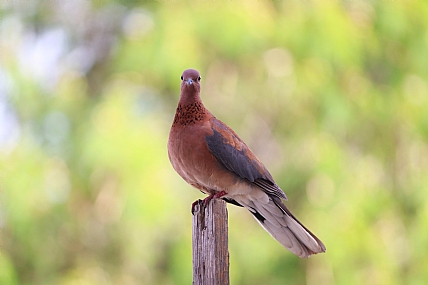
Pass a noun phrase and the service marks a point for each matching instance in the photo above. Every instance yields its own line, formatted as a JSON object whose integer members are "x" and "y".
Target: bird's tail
{"x": 281, "y": 224}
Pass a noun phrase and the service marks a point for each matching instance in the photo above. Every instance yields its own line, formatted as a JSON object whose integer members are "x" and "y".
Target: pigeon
{"x": 211, "y": 157}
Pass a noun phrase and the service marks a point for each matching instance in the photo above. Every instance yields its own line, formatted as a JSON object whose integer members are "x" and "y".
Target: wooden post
{"x": 210, "y": 244}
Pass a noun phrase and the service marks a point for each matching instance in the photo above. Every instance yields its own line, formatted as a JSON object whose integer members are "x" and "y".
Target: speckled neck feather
{"x": 189, "y": 114}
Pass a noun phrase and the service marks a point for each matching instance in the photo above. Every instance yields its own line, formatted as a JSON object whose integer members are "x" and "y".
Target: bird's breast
{"x": 190, "y": 114}
{"x": 193, "y": 161}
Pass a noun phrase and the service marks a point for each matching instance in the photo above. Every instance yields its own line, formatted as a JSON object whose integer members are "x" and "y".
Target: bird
{"x": 211, "y": 157}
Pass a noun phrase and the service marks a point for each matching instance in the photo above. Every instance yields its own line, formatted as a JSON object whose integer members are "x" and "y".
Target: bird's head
{"x": 190, "y": 83}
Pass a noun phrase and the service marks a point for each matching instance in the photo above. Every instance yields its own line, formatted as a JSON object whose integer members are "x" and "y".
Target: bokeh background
{"x": 331, "y": 95}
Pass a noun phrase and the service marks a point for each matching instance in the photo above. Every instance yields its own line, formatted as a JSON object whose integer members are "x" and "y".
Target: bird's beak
{"x": 189, "y": 81}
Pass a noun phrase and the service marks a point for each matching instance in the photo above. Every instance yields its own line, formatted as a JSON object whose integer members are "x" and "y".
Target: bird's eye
{"x": 181, "y": 77}
{"x": 199, "y": 78}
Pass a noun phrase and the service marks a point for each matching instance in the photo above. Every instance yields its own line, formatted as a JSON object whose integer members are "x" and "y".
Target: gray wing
{"x": 234, "y": 155}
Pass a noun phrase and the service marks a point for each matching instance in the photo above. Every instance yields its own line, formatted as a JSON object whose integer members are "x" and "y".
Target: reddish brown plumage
{"x": 211, "y": 157}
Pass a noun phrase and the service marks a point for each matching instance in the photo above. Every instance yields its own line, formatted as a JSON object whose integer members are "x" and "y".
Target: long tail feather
{"x": 282, "y": 225}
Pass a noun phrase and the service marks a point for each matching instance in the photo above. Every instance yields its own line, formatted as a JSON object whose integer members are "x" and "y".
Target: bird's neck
{"x": 190, "y": 113}
{"x": 189, "y": 96}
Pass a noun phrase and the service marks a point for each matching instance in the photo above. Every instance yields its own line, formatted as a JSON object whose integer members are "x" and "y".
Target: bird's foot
{"x": 211, "y": 196}
{"x": 194, "y": 204}
{"x": 207, "y": 200}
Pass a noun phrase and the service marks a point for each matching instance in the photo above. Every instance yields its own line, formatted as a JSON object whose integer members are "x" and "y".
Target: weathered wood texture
{"x": 210, "y": 244}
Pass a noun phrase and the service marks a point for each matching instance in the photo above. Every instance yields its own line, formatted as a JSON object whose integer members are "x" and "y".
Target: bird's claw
{"x": 207, "y": 200}
{"x": 197, "y": 202}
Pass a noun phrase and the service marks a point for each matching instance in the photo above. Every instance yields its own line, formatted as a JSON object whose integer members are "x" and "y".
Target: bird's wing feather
{"x": 234, "y": 155}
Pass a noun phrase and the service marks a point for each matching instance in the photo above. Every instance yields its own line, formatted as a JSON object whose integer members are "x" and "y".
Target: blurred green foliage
{"x": 331, "y": 95}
